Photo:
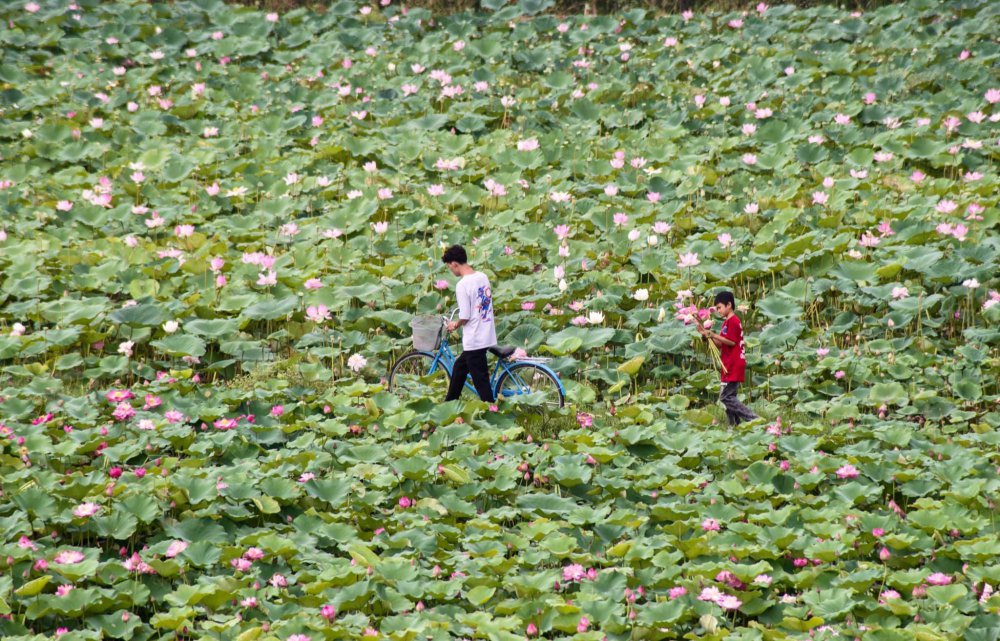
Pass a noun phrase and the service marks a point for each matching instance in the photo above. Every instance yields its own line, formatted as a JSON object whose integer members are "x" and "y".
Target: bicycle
{"x": 428, "y": 372}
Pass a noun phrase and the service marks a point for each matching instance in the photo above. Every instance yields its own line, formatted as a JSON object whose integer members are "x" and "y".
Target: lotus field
{"x": 218, "y": 222}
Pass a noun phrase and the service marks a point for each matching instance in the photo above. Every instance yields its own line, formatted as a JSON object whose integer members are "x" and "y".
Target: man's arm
{"x": 464, "y": 308}
{"x": 718, "y": 339}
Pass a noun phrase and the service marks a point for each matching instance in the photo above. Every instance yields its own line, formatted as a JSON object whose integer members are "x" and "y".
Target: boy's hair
{"x": 455, "y": 254}
{"x": 726, "y": 298}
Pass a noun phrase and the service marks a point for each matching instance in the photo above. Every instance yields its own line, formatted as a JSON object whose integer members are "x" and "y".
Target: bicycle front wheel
{"x": 531, "y": 385}
{"x": 411, "y": 377}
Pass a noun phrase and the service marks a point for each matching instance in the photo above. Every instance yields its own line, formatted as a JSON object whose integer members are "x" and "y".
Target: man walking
{"x": 733, "y": 356}
{"x": 475, "y": 317}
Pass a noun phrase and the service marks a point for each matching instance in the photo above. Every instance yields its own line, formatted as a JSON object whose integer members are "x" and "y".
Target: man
{"x": 733, "y": 355}
{"x": 475, "y": 317}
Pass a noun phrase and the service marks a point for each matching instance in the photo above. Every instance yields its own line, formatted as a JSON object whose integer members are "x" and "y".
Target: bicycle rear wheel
{"x": 530, "y": 385}
{"x": 411, "y": 377}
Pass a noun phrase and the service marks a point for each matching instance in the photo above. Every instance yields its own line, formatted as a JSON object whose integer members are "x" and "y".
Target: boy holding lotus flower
{"x": 732, "y": 355}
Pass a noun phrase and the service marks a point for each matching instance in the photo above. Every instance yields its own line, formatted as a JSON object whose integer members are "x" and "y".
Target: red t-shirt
{"x": 733, "y": 357}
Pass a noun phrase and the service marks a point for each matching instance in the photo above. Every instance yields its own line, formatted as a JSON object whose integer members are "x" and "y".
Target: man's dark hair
{"x": 455, "y": 254}
{"x": 726, "y": 298}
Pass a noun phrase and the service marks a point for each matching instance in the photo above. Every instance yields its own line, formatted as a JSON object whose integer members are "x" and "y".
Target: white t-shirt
{"x": 475, "y": 304}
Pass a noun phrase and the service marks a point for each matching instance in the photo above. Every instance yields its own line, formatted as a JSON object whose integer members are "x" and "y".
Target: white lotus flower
{"x": 357, "y": 362}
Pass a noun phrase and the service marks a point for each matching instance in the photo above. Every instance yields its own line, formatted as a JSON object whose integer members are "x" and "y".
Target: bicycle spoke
{"x": 530, "y": 386}
{"x": 411, "y": 378}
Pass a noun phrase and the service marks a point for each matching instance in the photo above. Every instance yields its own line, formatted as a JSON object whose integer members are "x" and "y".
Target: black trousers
{"x": 736, "y": 412}
{"x": 472, "y": 361}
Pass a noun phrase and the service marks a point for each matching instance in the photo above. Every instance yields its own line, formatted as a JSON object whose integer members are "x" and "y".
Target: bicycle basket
{"x": 426, "y": 332}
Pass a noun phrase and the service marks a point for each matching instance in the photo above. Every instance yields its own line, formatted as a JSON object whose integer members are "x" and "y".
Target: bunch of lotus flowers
{"x": 692, "y": 314}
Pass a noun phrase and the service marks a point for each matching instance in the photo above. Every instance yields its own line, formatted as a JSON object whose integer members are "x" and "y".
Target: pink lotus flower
{"x": 405, "y": 502}
{"x": 119, "y": 395}
{"x": 68, "y": 557}
{"x": 992, "y": 96}
{"x": 939, "y": 578}
{"x": 689, "y": 259}
{"x": 750, "y": 159}
{"x": 574, "y": 572}
{"x": 123, "y": 412}
{"x": 869, "y": 239}
{"x": 946, "y": 206}
{"x": 676, "y": 592}
{"x": 267, "y": 278}
{"x": 317, "y": 313}
{"x": 531, "y": 630}
{"x": 847, "y": 471}
{"x": 253, "y": 554}
{"x": 225, "y": 424}
{"x": 711, "y": 594}
{"x": 176, "y": 547}
{"x": 820, "y": 197}
{"x": 728, "y": 602}
{"x": 710, "y": 525}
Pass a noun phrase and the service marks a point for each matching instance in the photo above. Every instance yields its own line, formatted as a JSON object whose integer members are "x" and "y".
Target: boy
{"x": 475, "y": 316}
{"x": 733, "y": 355}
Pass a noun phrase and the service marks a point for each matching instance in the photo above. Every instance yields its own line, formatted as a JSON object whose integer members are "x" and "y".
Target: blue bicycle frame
{"x": 445, "y": 358}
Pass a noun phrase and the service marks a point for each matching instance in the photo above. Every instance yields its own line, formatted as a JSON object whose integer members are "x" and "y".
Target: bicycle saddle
{"x": 502, "y": 351}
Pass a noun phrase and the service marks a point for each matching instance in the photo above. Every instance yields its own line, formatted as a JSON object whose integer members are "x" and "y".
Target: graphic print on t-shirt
{"x": 485, "y": 296}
